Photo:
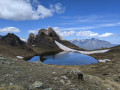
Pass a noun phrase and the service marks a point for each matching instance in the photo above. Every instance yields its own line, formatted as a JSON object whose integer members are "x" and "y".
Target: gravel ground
{"x": 18, "y": 74}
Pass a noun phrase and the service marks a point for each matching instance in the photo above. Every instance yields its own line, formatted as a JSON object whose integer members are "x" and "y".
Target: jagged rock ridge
{"x": 47, "y": 38}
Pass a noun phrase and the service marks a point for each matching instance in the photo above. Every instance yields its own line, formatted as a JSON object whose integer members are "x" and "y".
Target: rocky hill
{"x": 91, "y": 44}
{"x": 45, "y": 39}
{"x": 12, "y": 40}
{"x": 12, "y": 45}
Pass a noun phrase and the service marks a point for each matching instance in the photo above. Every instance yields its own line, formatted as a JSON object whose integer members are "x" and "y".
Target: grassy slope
{"x": 8, "y": 50}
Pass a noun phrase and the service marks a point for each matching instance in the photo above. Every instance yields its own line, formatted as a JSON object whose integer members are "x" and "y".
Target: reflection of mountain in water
{"x": 65, "y": 58}
{"x": 42, "y": 59}
{"x": 57, "y": 56}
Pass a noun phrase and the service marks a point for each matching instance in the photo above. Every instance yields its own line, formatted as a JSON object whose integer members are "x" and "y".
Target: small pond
{"x": 64, "y": 58}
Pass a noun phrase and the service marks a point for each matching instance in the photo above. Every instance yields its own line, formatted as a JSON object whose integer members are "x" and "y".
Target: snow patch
{"x": 92, "y": 52}
{"x": 104, "y": 60}
{"x": 63, "y": 47}
{"x": 20, "y": 57}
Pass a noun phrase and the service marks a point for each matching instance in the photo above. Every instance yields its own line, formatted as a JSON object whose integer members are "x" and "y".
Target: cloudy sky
{"x": 72, "y": 19}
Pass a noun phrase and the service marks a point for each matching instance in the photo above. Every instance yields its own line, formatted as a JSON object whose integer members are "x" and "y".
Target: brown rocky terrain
{"x": 18, "y": 74}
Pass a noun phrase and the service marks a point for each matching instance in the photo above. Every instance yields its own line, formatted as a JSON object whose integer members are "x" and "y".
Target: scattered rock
{"x": 3, "y": 85}
{"x": 118, "y": 79}
{"x": 37, "y": 84}
{"x": 16, "y": 72}
{"x": 53, "y": 72}
{"x": 11, "y": 84}
{"x": 68, "y": 82}
{"x": 2, "y": 58}
{"x": 64, "y": 77}
{"x": 8, "y": 75}
{"x": 55, "y": 78}
{"x": 62, "y": 81}
{"x": 48, "y": 89}
{"x": 108, "y": 89}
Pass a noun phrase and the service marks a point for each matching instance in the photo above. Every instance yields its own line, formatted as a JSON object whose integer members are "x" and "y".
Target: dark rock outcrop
{"x": 12, "y": 39}
{"x": 31, "y": 39}
{"x": 12, "y": 45}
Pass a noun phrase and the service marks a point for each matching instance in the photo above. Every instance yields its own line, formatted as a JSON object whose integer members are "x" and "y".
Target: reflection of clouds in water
{"x": 59, "y": 55}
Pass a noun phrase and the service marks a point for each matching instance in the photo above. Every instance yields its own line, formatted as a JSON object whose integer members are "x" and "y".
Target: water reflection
{"x": 65, "y": 58}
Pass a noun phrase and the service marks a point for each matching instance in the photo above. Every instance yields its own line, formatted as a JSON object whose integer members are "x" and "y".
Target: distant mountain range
{"x": 91, "y": 44}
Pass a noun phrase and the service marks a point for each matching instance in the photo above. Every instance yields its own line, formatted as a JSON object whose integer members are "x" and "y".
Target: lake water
{"x": 65, "y": 58}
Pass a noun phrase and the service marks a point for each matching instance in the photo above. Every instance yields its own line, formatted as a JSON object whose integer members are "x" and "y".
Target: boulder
{"x": 77, "y": 74}
{"x": 37, "y": 84}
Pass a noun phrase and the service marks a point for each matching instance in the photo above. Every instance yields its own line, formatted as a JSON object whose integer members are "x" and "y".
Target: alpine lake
{"x": 64, "y": 58}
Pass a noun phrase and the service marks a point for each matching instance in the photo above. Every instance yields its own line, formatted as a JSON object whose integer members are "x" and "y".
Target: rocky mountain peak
{"x": 31, "y": 38}
{"x": 50, "y": 30}
{"x": 42, "y": 32}
{"x": 12, "y": 39}
{"x": 32, "y": 35}
{"x": 44, "y": 35}
{"x": 47, "y": 38}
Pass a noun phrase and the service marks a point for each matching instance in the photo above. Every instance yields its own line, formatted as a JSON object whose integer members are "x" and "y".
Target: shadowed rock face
{"x": 31, "y": 38}
{"x": 12, "y": 40}
{"x": 53, "y": 34}
{"x": 45, "y": 37}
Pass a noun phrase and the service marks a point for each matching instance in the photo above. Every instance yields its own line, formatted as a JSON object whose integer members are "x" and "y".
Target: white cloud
{"x": 23, "y": 39}
{"x": 71, "y": 31}
{"x": 93, "y": 34}
{"x": 66, "y": 33}
{"x": 63, "y": 33}
{"x": 24, "y": 10}
{"x": 59, "y": 8}
{"x": 9, "y": 30}
{"x": 87, "y": 34}
{"x": 33, "y": 31}
{"x": 57, "y": 30}
{"x": 92, "y": 27}
{"x": 106, "y": 35}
